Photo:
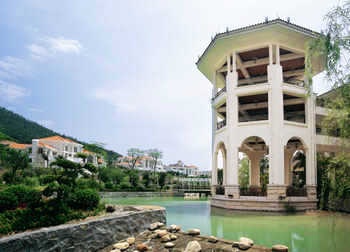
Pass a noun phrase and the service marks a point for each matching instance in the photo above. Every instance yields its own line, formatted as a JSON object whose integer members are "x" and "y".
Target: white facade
{"x": 180, "y": 167}
{"x": 260, "y": 105}
{"x": 46, "y": 150}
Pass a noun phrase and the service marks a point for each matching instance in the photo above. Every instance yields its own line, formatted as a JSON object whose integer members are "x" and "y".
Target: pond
{"x": 316, "y": 231}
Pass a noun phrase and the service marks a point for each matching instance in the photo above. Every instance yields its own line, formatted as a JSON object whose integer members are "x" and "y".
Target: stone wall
{"x": 88, "y": 235}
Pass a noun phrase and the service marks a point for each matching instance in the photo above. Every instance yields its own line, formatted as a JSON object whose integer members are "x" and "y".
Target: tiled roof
{"x": 258, "y": 26}
{"x": 43, "y": 145}
{"x": 14, "y": 145}
{"x": 57, "y": 138}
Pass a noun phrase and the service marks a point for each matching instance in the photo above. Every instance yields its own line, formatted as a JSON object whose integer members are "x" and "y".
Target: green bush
{"x": 46, "y": 179}
{"x": 25, "y": 196}
{"x": 8, "y": 200}
{"x": 84, "y": 199}
{"x": 31, "y": 181}
{"x": 84, "y": 183}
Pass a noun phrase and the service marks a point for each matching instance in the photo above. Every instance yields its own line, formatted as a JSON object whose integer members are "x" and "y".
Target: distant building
{"x": 44, "y": 151}
{"x": 144, "y": 163}
{"x": 180, "y": 167}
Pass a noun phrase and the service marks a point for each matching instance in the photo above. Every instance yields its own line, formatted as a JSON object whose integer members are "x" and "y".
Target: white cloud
{"x": 46, "y": 123}
{"x": 12, "y": 67}
{"x": 50, "y": 46}
{"x": 12, "y": 92}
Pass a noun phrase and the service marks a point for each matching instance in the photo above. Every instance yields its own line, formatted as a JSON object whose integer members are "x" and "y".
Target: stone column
{"x": 231, "y": 187}
{"x": 276, "y": 187}
{"x": 255, "y": 158}
{"x": 214, "y": 173}
{"x": 288, "y": 153}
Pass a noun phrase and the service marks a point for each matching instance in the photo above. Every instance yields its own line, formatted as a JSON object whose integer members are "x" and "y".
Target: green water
{"x": 300, "y": 232}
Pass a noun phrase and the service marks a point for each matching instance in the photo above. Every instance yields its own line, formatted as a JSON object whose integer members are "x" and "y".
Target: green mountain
{"x": 17, "y": 128}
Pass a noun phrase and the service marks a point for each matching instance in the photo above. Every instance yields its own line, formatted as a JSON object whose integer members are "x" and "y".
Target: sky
{"x": 123, "y": 73}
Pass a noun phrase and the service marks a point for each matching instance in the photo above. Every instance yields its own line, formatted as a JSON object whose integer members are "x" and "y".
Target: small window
{"x": 75, "y": 149}
{"x": 66, "y": 148}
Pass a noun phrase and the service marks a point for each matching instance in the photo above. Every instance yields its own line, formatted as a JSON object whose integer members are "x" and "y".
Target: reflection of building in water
{"x": 261, "y": 107}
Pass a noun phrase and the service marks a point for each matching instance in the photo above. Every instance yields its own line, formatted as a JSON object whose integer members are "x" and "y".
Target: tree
{"x": 155, "y": 154}
{"x": 83, "y": 156}
{"x": 162, "y": 179}
{"x": 243, "y": 173}
{"x": 14, "y": 161}
{"x": 135, "y": 155}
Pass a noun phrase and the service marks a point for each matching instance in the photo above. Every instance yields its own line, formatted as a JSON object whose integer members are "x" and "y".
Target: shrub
{"x": 46, "y": 179}
{"x": 31, "y": 181}
{"x": 84, "y": 199}
{"x": 8, "y": 200}
{"x": 84, "y": 183}
{"x": 25, "y": 195}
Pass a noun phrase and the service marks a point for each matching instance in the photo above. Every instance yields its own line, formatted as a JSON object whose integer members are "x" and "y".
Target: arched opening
{"x": 295, "y": 167}
{"x": 253, "y": 167}
{"x": 220, "y": 169}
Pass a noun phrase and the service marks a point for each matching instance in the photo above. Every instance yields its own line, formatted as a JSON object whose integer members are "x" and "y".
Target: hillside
{"x": 16, "y": 127}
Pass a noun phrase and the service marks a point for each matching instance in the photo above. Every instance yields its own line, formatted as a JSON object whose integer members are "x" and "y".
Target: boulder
{"x": 212, "y": 239}
{"x": 130, "y": 240}
{"x": 193, "y": 246}
{"x": 173, "y": 237}
{"x": 246, "y": 240}
{"x": 115, "y": 250}
{"x": 121, "y": 245}
{"x": 153, "y": 226}
{"x": 279, "y": 248}
{"x": 244, "y": 245}
{"x": 165, "y": 238}
{"x": 194, "y": 231}
{"x": 174, "y": 228}
{"x": 142, "y": 247}
{"x": 169, "y": 245}
{"x": 161, "y": 233}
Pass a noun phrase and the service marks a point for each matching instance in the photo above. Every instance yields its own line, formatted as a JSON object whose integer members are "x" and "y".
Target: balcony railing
{"x": 296, "y": 192}
{"x": 253, "y": 191}
{"x": 220, "y": 190}
{"x": 223, "y": 90}
{"x": 221, "y": 124}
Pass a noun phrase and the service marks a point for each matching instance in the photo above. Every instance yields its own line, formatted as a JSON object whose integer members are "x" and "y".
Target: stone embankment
{"x": 159, "y": 238}
{"x": 91, "y": 234}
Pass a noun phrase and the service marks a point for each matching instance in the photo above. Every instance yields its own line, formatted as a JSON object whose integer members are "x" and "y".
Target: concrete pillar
{"x": 276, "y": 187}
{"x": 288, "y": 153}
{"x": 231, "y": 186}
{"x": 255, "y": 158}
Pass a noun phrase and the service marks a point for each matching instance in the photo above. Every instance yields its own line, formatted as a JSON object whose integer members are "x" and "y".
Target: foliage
{"x": 13, "y": 161}
{"x": 135, "y": 155}
{"x": 84, "y": 199}
{"x": 19, "y": 196}
{"x": 155, "y": 154}
{"x": 264, "y": 173}
{"x": 220, "y": 176}
{"x": 8, "y": 201}
{"x": 243, "y": 173}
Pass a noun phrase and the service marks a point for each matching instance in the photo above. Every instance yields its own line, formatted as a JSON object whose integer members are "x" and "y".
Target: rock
{"x": 244, "y": 245}
{"x": 161, "y": 233}
{"x": 246, "y": 240}
{"x": 279, "y": 248}
{"x": 169, "y": 245}
{"x": 121, "y": 245}
{"x": 130, "y": 240}
{"x": 110, "y": 208}
{"x": 194, "y": 231}
{"x": 174, "y": 228}
{"x": 160, "y": 224}
{"x": 141, "y": 247}
{"x": 193, "y": 246}
{"x": 173, "y": 237}
{"x": 212, "y": 239}
{"x": 153, "y": 236}
{"x": 115, "y": 250}
{"x": 235, "y": 244}
{"x": 165, "y": 238}
{"x": 153, "y": 226}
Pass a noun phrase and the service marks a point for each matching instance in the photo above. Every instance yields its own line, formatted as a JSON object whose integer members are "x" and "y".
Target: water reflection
{"x": 300, "y": 232}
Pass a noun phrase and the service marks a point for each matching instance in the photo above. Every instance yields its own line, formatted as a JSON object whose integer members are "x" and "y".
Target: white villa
{"x": 44, "y": 151}
{"x": 144, "y": 163}
{"x": 180, "y": 167}
{"x": 260, "y": 107}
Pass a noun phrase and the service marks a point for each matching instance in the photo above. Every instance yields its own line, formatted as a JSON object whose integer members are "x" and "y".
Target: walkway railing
{"x": 223, "y": 90}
